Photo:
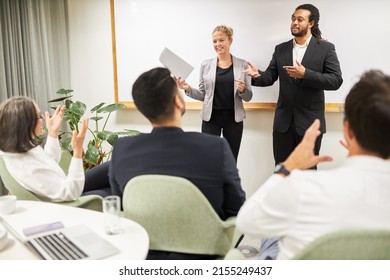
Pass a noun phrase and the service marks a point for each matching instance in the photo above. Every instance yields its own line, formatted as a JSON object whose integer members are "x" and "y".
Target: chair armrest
{"x": 230, "y": 229}
{"x": 91, "y": 202}
{"x": 229, "y": 222}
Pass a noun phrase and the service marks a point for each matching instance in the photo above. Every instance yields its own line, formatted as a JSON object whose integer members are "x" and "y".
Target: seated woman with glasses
{"x": 37, "y": 168}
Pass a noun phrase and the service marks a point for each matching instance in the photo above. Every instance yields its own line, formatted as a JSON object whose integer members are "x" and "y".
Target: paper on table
{"x": 175, "y": 64}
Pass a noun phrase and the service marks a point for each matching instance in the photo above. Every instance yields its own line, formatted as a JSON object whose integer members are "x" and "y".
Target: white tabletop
{"x": 133, "y": 241}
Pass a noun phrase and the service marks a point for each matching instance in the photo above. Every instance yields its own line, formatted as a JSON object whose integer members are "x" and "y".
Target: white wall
{"x": 92, "y": 82}
{"x": 258, "y": 26}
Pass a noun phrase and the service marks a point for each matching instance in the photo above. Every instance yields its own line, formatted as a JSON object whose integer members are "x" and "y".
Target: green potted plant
{"x": 95, "y": 152}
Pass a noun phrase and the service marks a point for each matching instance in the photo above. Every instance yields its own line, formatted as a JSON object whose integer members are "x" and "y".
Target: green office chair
{"x": 177, "y": 216}
{"x": 234, "y": 254}
{"x": 65, "y": 160}
{"x": 349, "y": 245}
{"x": 92, "y": 202}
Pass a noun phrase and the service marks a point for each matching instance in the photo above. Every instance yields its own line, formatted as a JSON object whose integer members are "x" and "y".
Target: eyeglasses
{"x": 40, "y": 116}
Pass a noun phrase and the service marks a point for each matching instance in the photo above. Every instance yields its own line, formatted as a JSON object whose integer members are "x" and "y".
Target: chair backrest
{"x": 348, "y": 245}
{"x": 14, "y": 187}
{"x": 66, "y": 158}
{"x": 92, "y": 202}
{"x": 177, "y": 216}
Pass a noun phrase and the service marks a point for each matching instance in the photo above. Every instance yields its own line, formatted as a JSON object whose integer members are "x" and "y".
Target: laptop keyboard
{"x": 59, "y": 247}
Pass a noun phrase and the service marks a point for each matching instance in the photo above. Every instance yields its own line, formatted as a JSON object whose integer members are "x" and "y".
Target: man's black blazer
{"x": 302, "y": 99}
{"x": 206, "y": 160}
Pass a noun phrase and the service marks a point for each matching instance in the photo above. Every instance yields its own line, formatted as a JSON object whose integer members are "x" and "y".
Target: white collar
{"x": 295, "y": 44}
{"x": 368, "y": 162}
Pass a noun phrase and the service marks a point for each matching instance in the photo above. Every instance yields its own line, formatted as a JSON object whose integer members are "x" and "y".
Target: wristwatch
{"x": 280, "y": 169}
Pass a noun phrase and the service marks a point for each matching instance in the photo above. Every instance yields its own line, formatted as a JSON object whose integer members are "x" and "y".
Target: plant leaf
{"x": 66, "y": 145}
{"x": 108, "y": 136}
{"x": 112, "y": 138}
{"x": 59, "y": 99}
{"x": 64, "y": 91}
{"x": 96, "y": 118}
{"x": 92, "y": 154}
{"x": 97, "y": 107}
{"x": 102, "y": 135}
{"x": 91, "y": 143}
{"x": 110, "y": 108}
{"x": 129, "y": 132}
{"x": 68, "y": 102}
{"x": 77, "y": 108}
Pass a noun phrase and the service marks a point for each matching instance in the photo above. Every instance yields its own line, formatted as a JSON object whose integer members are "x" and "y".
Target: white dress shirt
{"x": 307, "y": 204}
{"x": 38, "y": 171}
{"x": 299, "y": 50}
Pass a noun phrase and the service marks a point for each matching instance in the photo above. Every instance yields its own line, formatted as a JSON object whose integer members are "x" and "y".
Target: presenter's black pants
{"x": 222, "y": 121}
{"x": 285, "y": 143}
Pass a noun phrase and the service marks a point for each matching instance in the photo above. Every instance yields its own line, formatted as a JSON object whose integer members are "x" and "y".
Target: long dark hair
{"x": 314, "y": 16}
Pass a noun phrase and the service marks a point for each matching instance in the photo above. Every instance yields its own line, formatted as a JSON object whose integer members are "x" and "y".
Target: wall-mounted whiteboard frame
{"x": 142, "y": 28}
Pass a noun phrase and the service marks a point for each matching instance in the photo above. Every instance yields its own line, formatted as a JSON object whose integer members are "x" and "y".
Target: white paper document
{"x": 178, "y": 67}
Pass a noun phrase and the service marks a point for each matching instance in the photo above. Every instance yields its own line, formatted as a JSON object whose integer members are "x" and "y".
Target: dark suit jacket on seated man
{"x": 206, "y": 160}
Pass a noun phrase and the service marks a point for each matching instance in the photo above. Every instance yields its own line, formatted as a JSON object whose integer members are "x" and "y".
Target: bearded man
{"x": 306, "y": 66}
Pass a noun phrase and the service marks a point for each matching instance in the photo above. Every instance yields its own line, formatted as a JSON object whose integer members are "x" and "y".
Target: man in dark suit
{"x": 306, "y": 66}
{"x": 205, "y": 160}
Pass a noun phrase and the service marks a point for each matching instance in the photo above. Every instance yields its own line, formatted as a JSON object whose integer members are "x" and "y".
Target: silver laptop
{"x": 72, "y": 243}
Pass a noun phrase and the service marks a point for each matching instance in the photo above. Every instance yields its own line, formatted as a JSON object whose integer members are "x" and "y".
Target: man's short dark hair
{"x": 367, "y": 109}
{"x": 153, "y": 94}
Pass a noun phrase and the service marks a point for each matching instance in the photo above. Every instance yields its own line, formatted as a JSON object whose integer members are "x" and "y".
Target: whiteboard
{"x": 142, "y": 28}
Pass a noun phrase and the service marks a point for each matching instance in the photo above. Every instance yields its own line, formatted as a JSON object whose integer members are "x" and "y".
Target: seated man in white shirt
{"x": 296, "y": 206}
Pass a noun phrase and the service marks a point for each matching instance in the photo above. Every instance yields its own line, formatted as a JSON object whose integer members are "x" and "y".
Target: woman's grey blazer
{"x": 205, "y": 92}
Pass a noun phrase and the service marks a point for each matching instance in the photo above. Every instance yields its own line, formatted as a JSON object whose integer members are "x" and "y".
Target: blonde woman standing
{"x": 222, "y": 87}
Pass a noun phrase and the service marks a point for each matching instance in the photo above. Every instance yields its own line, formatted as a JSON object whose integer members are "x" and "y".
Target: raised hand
{"x": 297, "y": 72}
{"x": 252, "y": 71}
{"x": 53, "y": 123}
{"x": 78, "y": 139}
{"x": 183, "y": 84}
{"x": 303, "y": 156}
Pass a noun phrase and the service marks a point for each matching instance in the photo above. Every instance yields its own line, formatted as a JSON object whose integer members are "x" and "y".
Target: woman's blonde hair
{"x": 225, "y": 29}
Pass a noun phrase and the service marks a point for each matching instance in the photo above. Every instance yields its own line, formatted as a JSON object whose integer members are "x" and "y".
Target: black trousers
{"x": 222, "y": 121}
{"x": 97, "y": 182}
{"x": 285, "y": 143}
{"x": 161, "y": 255}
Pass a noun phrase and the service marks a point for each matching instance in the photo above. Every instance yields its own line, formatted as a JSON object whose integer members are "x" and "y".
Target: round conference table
{"x": 132, "y": 241}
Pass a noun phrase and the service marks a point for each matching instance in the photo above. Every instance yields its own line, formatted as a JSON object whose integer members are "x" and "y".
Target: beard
{"x": 300, "y": 33}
